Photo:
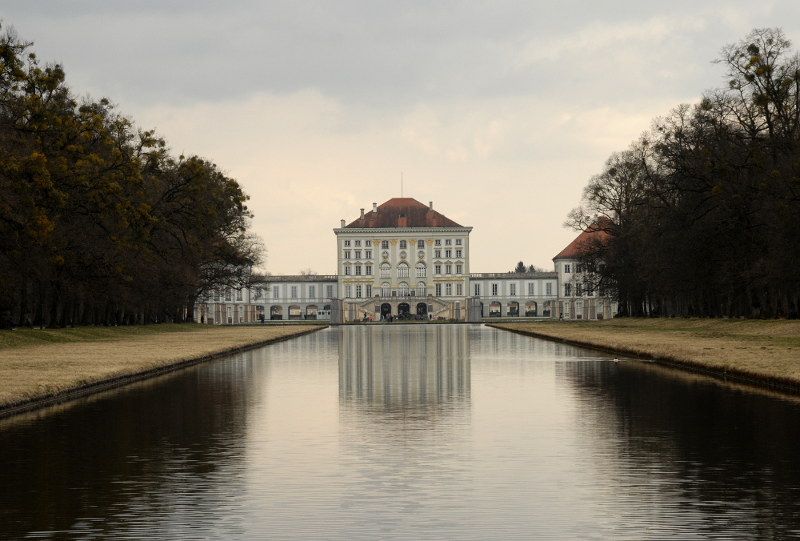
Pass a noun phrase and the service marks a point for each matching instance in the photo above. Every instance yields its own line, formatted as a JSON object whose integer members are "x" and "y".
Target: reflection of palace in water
{"x": 404, "y": 366}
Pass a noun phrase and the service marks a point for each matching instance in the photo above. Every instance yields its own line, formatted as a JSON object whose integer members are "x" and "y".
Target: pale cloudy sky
{"x": 499, "y": 112}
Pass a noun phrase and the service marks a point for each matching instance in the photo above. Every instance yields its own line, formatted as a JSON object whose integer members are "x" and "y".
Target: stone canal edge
{"x": 750, "y": 376}
{"x": 94, "y": 387}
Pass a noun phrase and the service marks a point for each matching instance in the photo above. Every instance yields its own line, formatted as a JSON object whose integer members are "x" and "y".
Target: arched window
{"x": 386, "y": 289}
{"x": 421, "y": 289}
{"x": 422, "y": 270}
{"x": 402, "y": 270}
{"x": 386, "y": 270}
{"x": 403, "y": 289}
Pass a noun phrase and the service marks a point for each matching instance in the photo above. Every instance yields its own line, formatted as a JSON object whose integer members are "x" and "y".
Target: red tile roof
{"x": 594, "y": 235}
{"x": 402, "y": 212}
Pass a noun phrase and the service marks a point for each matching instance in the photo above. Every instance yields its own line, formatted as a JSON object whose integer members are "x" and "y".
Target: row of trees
{"x": 702, "y": 212}
{"x": 99, "y": 224}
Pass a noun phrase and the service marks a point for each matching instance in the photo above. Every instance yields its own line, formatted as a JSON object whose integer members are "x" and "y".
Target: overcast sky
{"x": 499, "y": 112}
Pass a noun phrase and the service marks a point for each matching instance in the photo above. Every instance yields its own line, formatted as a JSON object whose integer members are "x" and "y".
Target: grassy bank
{"x": 762, "y": 352}
{"x": 42, "y": 366}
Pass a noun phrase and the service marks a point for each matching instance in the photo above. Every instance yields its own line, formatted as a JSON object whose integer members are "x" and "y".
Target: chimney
{"x": 374, "y": 207}
{"x": 430, "y": 205}
{"x": 362, "y": 213}
{"x": 342, "y": 223}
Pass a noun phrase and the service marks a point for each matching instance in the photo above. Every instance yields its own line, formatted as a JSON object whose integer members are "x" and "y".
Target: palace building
{"x": 405, "y": 260}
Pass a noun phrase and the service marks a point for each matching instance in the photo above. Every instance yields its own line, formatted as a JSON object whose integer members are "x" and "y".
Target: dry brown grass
{"x": 35, "y": 365}
{"x": 765, "y": 351}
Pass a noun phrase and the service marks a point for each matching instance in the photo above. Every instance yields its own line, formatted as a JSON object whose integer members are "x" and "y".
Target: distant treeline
{"x": 98, "y": 223}
{"x": 703, "y": 211}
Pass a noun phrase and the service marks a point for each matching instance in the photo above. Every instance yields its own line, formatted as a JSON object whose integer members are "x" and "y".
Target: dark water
{"x": 408, "y": 432}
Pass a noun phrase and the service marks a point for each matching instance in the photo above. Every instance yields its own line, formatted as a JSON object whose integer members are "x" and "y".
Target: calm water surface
{"x": 408, "y": 432}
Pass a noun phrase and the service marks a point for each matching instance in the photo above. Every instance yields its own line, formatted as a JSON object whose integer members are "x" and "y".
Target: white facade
{"x": 515, "y": 294}
{"x": 579, "y": 296}
{"x": 270, "y": 298}
{"x": 381, "y": 266}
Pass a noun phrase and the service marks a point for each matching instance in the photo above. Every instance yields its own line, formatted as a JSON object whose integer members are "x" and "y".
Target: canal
{"x": 408, "y": 432}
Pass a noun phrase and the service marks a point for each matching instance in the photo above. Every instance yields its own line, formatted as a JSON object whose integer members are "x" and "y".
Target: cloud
{"x": 499, "y": 113}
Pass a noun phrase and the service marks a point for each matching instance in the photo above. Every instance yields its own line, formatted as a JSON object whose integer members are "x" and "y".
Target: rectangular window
{"x": 458, "y": 242}
{"x": 512, "y": 290}
{"x": 459, "y": 289}
{"x": 368, "y": 254}
{"x": 477, "y": 290}
{"x": 420, "y": 244}
{"x": 437, "y": 242}
{"x": 458, "y": 269}
{"x": 347, "y": 254}
{"x": 448, "y": 269}
{"x": 368, "y": 270}
{"x": 294, "y": 292}
{"x": 447, "y": 242}
{"x": 437, "y": 253}
{"x": 566, "y": 268}
{"x": 276, "y": 292}
{"x": 403, "y": 245}
{"x": 257, "y": 293}
{"x": 348, "y": 290}
{"x": 358, "y": 291}
{"x": 567, "y": 290}
{"x": 358, "y": 270}
{"x": 448, "y": 253}
{"x": 494, "y": 289}
{"x": 579, "y": 268}
{"x": 384, "y": 244}
{"x": 531, "y": 288}
{"x": 590, "y": 290}
{"x": 228, "y": 294}
{"x": 357, "y": 254}
{"x": 548, "y": 287}
{"x": 578, "y": 289}
{"x": 438, "y": 290}
{"x": 369, "y": 291}
{"x": 329, "y": 291}
{"x": 448, "y": 289}
{"x": 312, "y": 291}
{"x": 347, "y": 243}
{"x": 438, "y": 269}
{"x": 368, "y": 243}
{"x": 238, "y": 294}
{"x": 358, "y": 243}
{"x": 347, "y": 271}
{"x": 458, "y": 253}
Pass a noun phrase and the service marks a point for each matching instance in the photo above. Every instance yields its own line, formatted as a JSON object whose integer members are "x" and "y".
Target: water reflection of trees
{"x": 414, "y": 370}
{"x": 727, "y": 453}
{"x": 125, "y": 462}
